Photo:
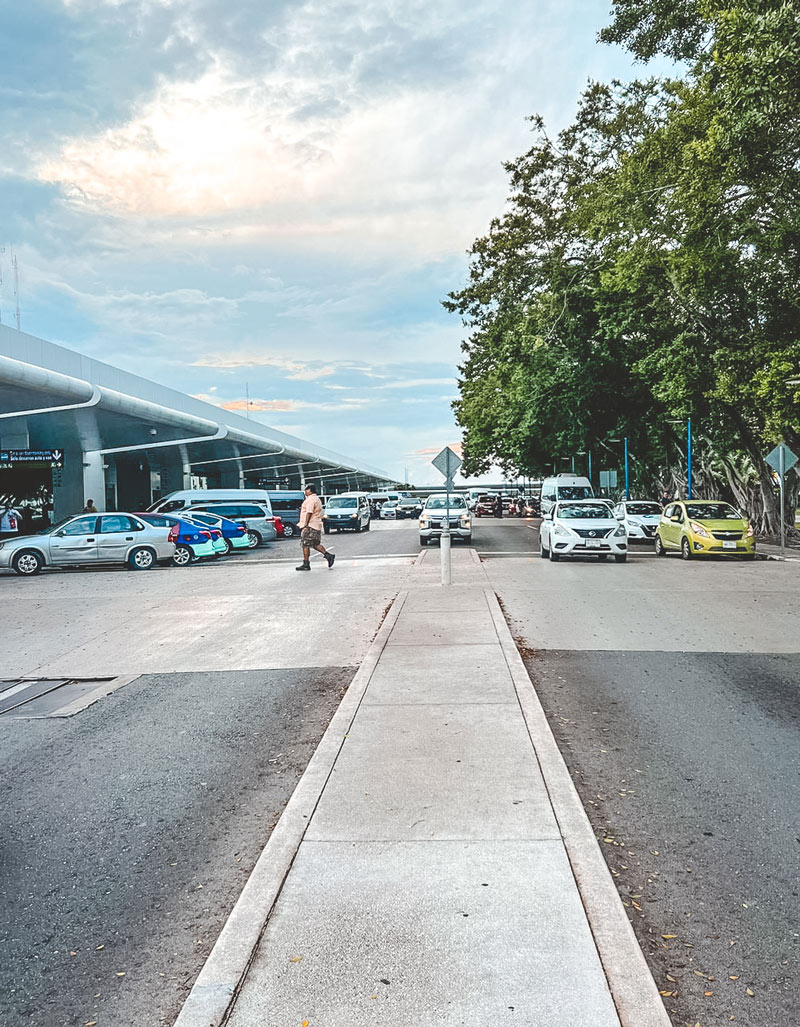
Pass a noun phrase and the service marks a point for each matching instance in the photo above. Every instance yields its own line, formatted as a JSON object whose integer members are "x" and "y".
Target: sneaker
{"x": 303, "y": 567}
{"x": 330, "y": 557}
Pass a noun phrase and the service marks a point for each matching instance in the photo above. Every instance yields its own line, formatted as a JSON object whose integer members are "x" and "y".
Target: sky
{"x": 263, "y": 199}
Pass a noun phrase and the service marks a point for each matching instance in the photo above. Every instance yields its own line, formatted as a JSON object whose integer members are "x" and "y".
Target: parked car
{"x": 640, "y": 517}
{"x": 256, "y": 517}
{"x": 348, "y": 511}
{"x": 184, "y": 498}
{"x": 582, "y": 528}
{"x": 192, "y": 542}
{"x": 233, "y": 534}
{"x": 440, "y": 508}
{"x": 697, "y": 528}
{"x": 389, "y": 510}
{"x": 90, "y": 539}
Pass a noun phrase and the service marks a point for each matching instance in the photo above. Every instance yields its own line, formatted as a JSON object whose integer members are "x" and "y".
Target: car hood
{"x": 590, "y": 523}
{"x": 20, "y": 541}
{"x": 721, "y": 525}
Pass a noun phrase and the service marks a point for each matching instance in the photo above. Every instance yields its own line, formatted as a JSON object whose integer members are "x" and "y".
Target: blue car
{"x": 234, "y": 535}
{"x": 194, "y": 542}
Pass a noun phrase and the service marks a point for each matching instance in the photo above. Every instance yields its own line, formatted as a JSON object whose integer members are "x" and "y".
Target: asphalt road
{"x": 128, "y": 830}
{"x": 680, "y": 724}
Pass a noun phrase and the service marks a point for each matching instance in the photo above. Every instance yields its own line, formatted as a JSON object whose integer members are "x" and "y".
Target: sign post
{"x": 782, "y": 459}
{"x": 447, "y": 463}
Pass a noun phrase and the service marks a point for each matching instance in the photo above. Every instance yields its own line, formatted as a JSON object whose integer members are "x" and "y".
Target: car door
{"x": 671, "y": 530}
{"x": 544, "y": 530}
{"x": 76, "y": 542}
{"x": 116, "y": 534}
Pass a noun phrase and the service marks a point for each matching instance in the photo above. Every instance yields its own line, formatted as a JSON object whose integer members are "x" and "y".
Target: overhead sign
{"x": 447, "y": 462}
{"x": 50, "y": 457}
{"x": 774, "y": 459}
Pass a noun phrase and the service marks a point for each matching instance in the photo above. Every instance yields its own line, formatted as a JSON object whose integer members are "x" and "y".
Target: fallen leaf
{"x": 295, "y": 959}
{"x": 751, "y": 993}
{"x": 708, "y": 994}
{"x": 671, "y": 978}
{"x": 668, "y": 936}
{"x": 99, "y": 947}
{"x": 736, "y": 978}
{"x": 121, "y": 973}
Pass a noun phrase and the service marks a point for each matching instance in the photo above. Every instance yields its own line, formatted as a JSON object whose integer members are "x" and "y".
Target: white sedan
{"x": 640, "y": 518}
{"x": 583, "y": 527}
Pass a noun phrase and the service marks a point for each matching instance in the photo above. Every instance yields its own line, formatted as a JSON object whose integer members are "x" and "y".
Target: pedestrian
{"x": 498, "y": 506}
{"x": 90, "y": 507}
{"x": 665, "y": 497}
{"x": 9, "y": 521}
{"x": 311, "y": 529}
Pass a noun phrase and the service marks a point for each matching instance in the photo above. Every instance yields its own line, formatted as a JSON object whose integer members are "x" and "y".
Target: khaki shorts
{"x": 310, "y": 537}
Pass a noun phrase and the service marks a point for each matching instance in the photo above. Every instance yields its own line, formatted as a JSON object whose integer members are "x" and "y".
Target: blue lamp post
{"x": 627, "y": 476}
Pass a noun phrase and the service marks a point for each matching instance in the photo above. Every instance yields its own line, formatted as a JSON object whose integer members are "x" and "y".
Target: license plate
{"x": 728, "y": 545}
{"x": 593, "y": 543}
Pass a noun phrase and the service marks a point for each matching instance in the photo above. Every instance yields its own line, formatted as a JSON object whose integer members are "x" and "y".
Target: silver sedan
{"x": 89, "y": 539}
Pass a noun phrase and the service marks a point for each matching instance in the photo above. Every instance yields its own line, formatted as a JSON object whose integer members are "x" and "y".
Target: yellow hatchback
{"x": 700, "y": 527}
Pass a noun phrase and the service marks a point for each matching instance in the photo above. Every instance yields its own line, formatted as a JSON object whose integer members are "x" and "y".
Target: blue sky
{"x": 275, "y": 197}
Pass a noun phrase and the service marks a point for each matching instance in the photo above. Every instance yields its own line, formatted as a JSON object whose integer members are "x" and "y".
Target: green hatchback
{"x": 704, "y": 527}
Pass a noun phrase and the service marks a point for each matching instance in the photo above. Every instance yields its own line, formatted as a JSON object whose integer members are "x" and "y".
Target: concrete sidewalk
{"x": 434, "y": 865}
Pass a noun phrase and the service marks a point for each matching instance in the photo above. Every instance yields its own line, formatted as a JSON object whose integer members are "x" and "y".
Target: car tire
{"x": 542, "y": 551}
{"x": 660, "y": 550}
{"x": 468, "y": 540}
{"x": 27, "y": 563}
{"x": 423, "y": 541}
{"x": 326, "y": 528}
{"x": 142, "y": 559}
{"x": 183, "y": 556}
{"x": 554, "y": 556}
{"x": 357, "y": 528}
{"x": 289, "y": 529}
{"x": 686, "y": 549}
{"x": 253, "y": 539}
{"x": 368, "y": 525}
{"x": 228, "y": 547}
{"x": 620, "y": 557}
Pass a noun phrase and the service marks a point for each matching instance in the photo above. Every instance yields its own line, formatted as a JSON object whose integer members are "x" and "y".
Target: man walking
{"x": 311, "y": 529}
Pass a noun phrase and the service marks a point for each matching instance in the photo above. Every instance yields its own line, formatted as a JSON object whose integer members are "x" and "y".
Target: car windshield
{"x": 54, "y": 527}
{"x": 643, "y": 509}
{"x": 583, "y": 511}
{"x": 342, "y": 503}
{"x": 712, "y": 512}
{"x": 442, "y": 503}
{"x": 574, "y": 492}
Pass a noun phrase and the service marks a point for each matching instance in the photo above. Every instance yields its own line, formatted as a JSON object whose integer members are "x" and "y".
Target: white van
{"x": 348, "y": 510}
{"x": 564, "y": 486}
{"x": 176, "y": 501}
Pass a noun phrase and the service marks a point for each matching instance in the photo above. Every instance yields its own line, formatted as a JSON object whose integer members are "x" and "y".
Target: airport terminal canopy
{"x": 91, "y": 430}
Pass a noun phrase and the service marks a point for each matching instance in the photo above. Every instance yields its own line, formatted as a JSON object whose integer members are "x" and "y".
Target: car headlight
{"x": 620, "y": 532}
{"x": 423, "y": 522}
{"x": 559, "y": 529}
{"x": 698, "y": 529}
{"x": 750, "y": 533}
{"x": 635, "y": 524}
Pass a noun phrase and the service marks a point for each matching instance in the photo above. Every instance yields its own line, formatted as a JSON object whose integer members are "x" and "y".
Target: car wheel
{"x": 686, "y": 549}
{"x": 368, "y": 525}
{"x": 326, "y": 528}
{"x": 660, "y": 550}
{"x": 620, "y": 557}
{"x": 554, "y": 557}
{"x": 27, "y": 563}
{"x": 468, "y": 540}
{"x": 228, "y": 546}
{"x": 141, "y": 559}
{"x": 423, "y": 541}
{"x": 289, "y": 529}
{"x": 542, "y": 551}
{"x": 182, "y": 556}
{"x": 253, "y": 539}
{"x": 357, "y": 528}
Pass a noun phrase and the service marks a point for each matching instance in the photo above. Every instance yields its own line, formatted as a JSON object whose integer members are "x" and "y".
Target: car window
{"x": 223, "y": 511}
{"x": 643, "y": 509}
{"x": 441, "y": 503}
{"x": 574, "y": 492}
{"x": 583, "y": 511}
{"x": 251, "y": 511}
{"x": 116, "y": 522}
{"x": 157, "y": 521}
{"x": 173, "y": 504}
{"x": 342, "y": 503}
{"x": 81, "y": 526}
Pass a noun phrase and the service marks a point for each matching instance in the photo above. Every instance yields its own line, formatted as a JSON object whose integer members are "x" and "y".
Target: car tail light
{"x": 173, "y": 533}
{"x": 278, "y": 525}
{"x": 204, "y": 534}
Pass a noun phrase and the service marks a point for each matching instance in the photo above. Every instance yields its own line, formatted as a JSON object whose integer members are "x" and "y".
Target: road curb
{"x": 632, "y": 987}
{"x": 213, "y": 994}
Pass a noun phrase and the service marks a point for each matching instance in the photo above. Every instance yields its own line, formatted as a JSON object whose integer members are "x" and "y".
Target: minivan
{"x": 564, "y": 486}
{"x": 191, "y": 497}
{"x": 347, "y": 510}
{"x": 286, "y": 505}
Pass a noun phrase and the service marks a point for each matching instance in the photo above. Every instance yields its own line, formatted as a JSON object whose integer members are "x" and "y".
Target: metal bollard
{"x": 444, "y": 549}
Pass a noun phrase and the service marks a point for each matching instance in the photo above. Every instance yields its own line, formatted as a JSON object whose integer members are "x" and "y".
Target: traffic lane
{"x": 651, "y": 603}
{"x": 384, "y": 538}
{"x": 687, "y": 765}
{"x": 129, "y": 831}
{"x": 225, "y": 616}
{"x": 502, "y": 536}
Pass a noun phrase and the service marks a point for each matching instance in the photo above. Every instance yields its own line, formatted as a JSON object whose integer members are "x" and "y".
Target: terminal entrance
{"x": 28, "y": 487}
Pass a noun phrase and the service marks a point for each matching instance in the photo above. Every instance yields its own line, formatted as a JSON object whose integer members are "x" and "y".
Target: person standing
{"x": 311, "y": 529}
{"x": 498, "y": 506}
{"x": 9, "y": 522}
{"x": 90, "y": 507}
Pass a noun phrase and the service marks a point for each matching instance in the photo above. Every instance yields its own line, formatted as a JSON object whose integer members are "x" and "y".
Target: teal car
{"x": 192, "y": 542}
{"x": 234, "y": 535}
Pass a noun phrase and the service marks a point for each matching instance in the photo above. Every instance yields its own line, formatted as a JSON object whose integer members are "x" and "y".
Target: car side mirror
{"x": 676, "y": 518}
{"x": 620, "y": 516}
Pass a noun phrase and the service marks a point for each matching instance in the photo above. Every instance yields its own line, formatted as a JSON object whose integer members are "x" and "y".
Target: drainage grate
{"x": 52, "y": 697}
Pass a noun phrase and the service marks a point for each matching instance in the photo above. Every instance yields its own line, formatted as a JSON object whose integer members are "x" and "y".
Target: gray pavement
{"x": 435, "y": 865}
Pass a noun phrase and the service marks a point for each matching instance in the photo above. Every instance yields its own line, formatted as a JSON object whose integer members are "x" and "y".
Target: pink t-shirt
{"x": 313, "y": 506}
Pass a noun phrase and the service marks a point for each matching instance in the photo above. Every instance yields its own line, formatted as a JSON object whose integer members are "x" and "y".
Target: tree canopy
{"x": 645, "y": 269}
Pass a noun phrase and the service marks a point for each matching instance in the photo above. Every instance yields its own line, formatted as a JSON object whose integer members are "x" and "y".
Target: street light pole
{"x": 689, "y": 454}
{"x": 627, "y": 479}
